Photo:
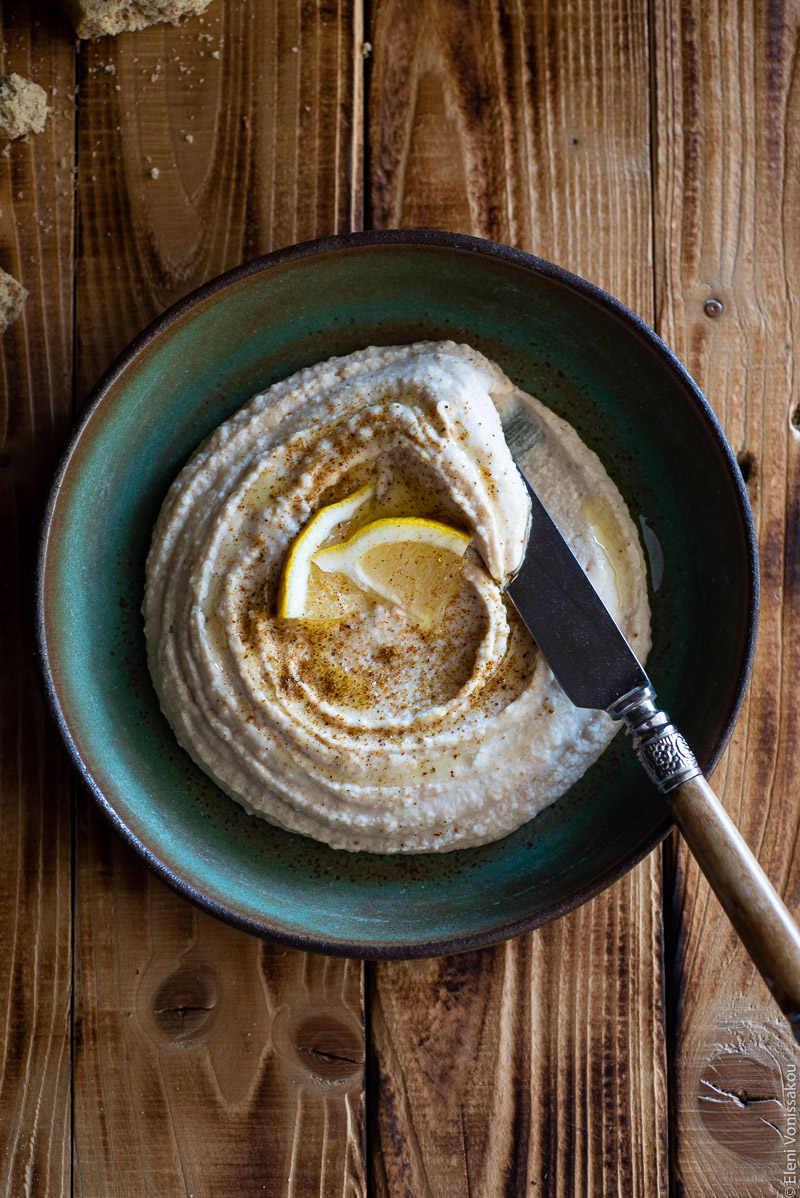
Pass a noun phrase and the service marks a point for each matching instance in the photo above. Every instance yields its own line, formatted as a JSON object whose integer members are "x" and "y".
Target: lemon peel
{"x": 293, "y": 591}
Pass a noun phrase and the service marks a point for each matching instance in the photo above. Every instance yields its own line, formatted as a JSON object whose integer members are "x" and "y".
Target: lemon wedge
{"x": 408, "y": 561}
{"x": 325, "y": 600}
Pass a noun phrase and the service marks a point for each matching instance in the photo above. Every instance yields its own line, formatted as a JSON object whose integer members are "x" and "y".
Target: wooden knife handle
{"x": 766, "y": 928}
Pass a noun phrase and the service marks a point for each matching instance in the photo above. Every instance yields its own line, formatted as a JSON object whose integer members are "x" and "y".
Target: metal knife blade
{"x": 566, "y": 617}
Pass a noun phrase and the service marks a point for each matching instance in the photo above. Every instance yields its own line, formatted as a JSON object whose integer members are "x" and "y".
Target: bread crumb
{"x": 99, "y": 18}
{"x": 188, "y": 137}
{"x": 154, "y": 172}
{"x": 366, "y": 49}
{"x": 23, "y": 107}
{"x": 12, "y": 297}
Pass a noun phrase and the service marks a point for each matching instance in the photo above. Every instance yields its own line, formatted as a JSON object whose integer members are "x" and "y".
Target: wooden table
{"x": 649, "y": 145}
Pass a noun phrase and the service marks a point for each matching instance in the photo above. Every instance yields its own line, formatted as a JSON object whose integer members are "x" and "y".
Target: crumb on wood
{"x": 23, "y": 107}
{"x": 12, "y": 297}
{"x": 101, "y": 18}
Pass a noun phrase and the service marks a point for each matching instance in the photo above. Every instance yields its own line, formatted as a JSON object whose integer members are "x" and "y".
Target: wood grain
{"x": 204, "y": 146}
{"x": 36, "y": 223}
{"x": 205, "y": 1061}
{"x": 728, "y": 230}
{"x": 537, "y": 1066}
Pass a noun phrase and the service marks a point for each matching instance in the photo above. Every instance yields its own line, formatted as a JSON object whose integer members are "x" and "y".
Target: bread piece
{"x": 96, "y": 18}
{"x": 12, "y": 297}
{"x": 23, "y": 107}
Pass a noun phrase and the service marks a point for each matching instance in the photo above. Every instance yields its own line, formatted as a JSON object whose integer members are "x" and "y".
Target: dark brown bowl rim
{"x": 296, "y": 253}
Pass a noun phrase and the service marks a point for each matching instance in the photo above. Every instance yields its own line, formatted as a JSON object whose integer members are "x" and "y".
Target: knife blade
{"x": 596, "y": 667}
{"x": 590, "y": 658}
{"x": 573, "y": 628}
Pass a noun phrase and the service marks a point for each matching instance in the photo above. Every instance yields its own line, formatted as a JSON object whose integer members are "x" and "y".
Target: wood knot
{"x": 319, "y": 1046}
{"x": 185, "y": 1002}
{"x": 329, "y": 1048}
{"x": 747, "y": 464}
{"x": 741, "y": 1103}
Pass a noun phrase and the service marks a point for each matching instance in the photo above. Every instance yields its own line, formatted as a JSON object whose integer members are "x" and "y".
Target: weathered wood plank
{"x": 204, "y": 146}
{"x": 207, "y": 1062}
{"x": 537, "y": 1066}
{"x": 36, "y": 224}
{"x": 728, "y": 230}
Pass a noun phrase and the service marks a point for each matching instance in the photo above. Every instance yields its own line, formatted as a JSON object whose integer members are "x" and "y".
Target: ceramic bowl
{"x": 558, "y": 337}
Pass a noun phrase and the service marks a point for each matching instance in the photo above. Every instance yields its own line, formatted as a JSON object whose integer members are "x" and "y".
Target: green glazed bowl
{"x": 558, "y": 337}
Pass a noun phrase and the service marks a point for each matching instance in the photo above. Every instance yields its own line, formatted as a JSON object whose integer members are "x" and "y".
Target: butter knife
{"x": 596, "y": 668}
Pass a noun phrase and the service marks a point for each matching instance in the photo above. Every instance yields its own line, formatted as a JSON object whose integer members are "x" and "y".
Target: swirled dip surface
{"x": 369, "y": 733}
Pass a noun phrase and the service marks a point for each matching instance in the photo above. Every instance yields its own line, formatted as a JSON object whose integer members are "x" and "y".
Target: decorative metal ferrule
{"x": 658, "y": 744}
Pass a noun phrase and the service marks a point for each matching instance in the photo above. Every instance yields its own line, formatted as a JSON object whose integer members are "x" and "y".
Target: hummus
{"x": 370, "y": 733}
